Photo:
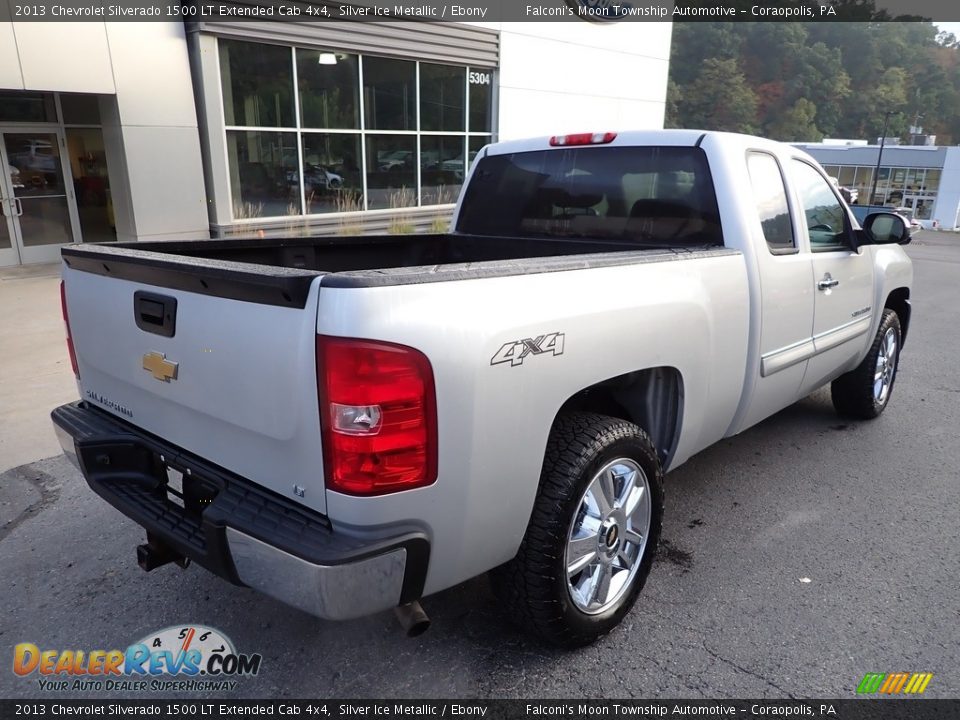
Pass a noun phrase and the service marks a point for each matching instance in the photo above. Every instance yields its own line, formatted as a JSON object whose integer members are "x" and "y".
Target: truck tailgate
{"x": 235, "y": 383}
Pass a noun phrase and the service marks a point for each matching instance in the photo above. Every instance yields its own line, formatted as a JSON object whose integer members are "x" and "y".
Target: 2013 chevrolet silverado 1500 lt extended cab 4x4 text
{"x": 350, "y": 424}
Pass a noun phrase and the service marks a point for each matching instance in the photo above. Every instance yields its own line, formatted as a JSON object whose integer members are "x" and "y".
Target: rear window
{"x": 646, "y": 196}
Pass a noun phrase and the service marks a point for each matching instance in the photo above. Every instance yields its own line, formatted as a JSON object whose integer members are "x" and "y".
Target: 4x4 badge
{"x": 515, "y": 352}
{"x": 160, "y": 367}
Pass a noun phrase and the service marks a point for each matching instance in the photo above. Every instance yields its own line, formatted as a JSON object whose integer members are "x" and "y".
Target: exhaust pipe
{"x": 412, "y": 618}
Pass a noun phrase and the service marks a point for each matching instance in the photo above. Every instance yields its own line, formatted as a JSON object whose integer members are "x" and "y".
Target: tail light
{"x": 378, "y": 416}
{"x": 583, "y": 139}
{"x": 66, "y": 321}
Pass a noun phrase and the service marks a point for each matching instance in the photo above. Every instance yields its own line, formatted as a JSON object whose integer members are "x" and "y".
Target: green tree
{"x": 719, "y": 99}
{"x": 796, "y": 124}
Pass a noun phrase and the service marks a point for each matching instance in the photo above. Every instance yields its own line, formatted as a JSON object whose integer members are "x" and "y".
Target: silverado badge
{"x": 160, "y": 367}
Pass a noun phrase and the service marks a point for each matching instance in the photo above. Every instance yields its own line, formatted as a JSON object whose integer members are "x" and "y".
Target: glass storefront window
{"x": 257, "y": 83}
{"x": 389, "y": 94}
{"x": 481, "y": 82}
{"x": 375, "y": 132}
{"x": 441, "y": 97}
{"x": 18, "y": 106}
{"x": 441, "y": 168}
{"x": 332, "y": 179}
{"x": 932, "y": 181}
{"x": 263, "y": 173}
{"x": 91, "y": 183}
{"x": 80, "y": 109}
{"x": 329, "y": 88}
{"x": 391, "y": 171}
{"x": 846, "y": 176}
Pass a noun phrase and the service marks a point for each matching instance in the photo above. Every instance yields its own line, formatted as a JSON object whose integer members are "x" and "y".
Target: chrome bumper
{"x": 333, "y": 592}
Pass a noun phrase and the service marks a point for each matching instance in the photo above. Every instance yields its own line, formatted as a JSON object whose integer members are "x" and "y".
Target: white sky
{"x": 951, "y": 27}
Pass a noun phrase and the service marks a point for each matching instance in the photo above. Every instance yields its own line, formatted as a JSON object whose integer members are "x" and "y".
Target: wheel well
{"x": 651, "y": 398}
{"x": 899, "y": 302}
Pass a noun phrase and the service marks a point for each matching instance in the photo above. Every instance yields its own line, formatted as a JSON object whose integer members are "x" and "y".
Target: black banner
{"x": 874, "y": 709}
{"x": 482, "y": 10}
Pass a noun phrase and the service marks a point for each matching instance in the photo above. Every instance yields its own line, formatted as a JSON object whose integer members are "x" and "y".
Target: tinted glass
{"x": 332, "y": 178}
{"x": 257, "y": 83}
{"x": 263, "y": 174}
{"x": 480, "y": 82}
{"x": 91, "y": 181}
{"x": 389, "y": 94}
{"x": 826, "y": 218}
{"x": 391, "y": 171}
{"x": 329, "y": 90}
{"x": 441, "y": 168}
{"x": 441, "y": 97}
{"x": 650, "y": 196}
{"x": 770, "y": 198}
{"x": 27, "y": 107}
{"x": 80, "y": 109}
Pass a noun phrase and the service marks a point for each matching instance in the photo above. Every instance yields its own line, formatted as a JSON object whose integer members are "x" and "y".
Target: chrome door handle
{"x": 827, "y": 282}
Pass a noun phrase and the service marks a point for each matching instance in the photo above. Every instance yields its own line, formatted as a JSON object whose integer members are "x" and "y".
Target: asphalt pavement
{"x": 797, "y": 557}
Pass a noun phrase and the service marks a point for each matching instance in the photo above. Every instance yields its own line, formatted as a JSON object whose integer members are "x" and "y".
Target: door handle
{"x": 19, "y": 206}
{"x": 827, "y": 282}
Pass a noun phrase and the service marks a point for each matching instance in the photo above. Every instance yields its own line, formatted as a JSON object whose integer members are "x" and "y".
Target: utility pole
{"x": 876, "y": 172}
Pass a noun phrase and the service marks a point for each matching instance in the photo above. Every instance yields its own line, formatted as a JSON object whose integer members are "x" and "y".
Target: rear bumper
{"x": 237, "y": 529}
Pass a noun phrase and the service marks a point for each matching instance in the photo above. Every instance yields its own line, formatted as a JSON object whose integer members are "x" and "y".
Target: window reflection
{"x": 332, "y": 178}
{"x": 389, "y": 93}
{"x": 263, "y": 173}
{"x": 328, "y": 84}
{"x": 391, "y": 172}
{"x": 441, "y": 168}
{"x": 91, "y": 184}
{"x": 257, "y": 82}
{"x": 481, "y": 82}
{"x": 441, "y": 97}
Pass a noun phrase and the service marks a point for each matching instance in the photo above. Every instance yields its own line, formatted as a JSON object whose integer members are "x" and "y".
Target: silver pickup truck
{"x": 350, "y": 424}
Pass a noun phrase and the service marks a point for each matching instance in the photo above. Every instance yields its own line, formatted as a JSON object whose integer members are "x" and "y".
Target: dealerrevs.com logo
{"x": 177, "y": 658}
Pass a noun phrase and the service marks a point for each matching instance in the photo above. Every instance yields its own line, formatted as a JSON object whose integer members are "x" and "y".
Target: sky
{"x": 951, "y": 27}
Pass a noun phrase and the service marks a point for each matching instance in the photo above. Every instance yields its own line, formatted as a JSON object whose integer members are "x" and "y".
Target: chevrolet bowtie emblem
{"x": 160, "y": 367}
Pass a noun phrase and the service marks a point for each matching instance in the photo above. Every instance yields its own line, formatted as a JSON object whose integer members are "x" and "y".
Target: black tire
{"x": 533, "y": 586}
{"x": 853, "y": 393}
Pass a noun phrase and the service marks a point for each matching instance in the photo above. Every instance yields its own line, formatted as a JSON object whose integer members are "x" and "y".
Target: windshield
{"x": 649, "y": 196}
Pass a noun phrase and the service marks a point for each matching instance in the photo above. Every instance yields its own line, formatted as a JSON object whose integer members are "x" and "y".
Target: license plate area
{"x": 185, "y": 489}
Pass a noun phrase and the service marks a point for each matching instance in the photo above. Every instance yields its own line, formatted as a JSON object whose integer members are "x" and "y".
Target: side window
{"x": 826, "y": 218}
{"x": 770, "y": 198}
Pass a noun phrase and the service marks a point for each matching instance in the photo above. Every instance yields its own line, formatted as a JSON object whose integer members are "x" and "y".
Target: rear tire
{"x": 865, "y": 392}
{"x": 592, "y": 535}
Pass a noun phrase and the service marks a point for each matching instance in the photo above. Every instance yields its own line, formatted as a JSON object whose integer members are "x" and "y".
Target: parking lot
{"x": 797, "y": 557}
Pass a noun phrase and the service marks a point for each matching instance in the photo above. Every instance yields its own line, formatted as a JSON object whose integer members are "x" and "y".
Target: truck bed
{"x": 280, "y": 271}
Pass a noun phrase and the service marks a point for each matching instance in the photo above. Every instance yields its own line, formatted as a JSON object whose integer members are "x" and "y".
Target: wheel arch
{"x": 651, "y": 398}
{"x": 899, "y": 301}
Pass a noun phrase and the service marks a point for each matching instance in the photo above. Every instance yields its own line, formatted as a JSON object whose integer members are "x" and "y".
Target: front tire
{"x": 592, "y": 535}
{"x": 865, "y": 392}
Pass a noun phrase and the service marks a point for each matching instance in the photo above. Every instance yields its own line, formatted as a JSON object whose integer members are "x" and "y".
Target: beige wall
{"x": 142, "y": 72}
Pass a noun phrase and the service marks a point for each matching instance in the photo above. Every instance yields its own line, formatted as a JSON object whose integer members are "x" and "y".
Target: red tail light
{"x": 66, "y": 321}
{"x": 583, "y": 139}
{"x": 378, "y": 415}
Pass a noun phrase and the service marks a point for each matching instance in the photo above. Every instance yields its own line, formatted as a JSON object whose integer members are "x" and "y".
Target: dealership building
{"x": 923, "y": 178}
{"x": 172, "y": 130}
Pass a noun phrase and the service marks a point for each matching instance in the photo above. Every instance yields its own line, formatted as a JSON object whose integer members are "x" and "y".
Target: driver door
{"x": 843, "y": 279}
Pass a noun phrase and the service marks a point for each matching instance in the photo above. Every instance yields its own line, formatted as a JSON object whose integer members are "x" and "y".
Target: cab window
{"x": 826, "y": 217}
{"x": 770, "y": 199}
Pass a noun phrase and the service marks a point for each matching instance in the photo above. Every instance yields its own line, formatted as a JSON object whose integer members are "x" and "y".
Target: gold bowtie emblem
{"x": 160, "y": 367}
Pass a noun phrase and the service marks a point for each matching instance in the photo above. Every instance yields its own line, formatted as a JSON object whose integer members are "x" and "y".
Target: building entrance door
{"x": 36, "y": 196}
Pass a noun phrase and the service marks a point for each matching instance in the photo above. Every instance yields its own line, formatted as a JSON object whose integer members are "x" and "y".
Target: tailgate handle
{"x": 154, "y": 313}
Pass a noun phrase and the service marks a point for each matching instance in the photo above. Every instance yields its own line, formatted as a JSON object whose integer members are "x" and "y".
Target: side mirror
{"x": 886, "y": 228}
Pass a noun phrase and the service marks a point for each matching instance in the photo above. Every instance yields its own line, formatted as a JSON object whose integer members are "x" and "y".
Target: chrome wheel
{"x": 607, "y": 536}
{"x": 886, "y": 367}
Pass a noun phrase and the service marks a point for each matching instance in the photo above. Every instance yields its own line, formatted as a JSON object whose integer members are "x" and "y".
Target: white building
{"x": 923, "y": 178}
{"x": 170, "y": 131}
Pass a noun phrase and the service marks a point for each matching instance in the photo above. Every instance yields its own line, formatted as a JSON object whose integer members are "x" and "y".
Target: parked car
{"x": 350, "y": 424}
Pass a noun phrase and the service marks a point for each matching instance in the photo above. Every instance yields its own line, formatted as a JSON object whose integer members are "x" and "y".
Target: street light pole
{"x": 876, "y": 172}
